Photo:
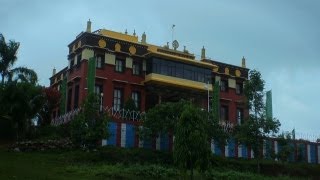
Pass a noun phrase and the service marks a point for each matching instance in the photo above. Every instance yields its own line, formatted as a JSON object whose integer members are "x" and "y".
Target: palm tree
{"x": 8, "y": 57}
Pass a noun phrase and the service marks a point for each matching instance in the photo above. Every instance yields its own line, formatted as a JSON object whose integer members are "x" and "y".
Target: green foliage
{"x": 20, "y": 104}
{"x": 216, "y": 132}
{"x": 253, "y": 89}
{"x": 8, "y": 57}
{"x": 130, "y": 105}
{"x": 193, "y": 129}
{"x": 258, "y": 126}
{"x": 51, "y": 100}
{"x": 162, "y": 118}
{"x": 126, "y": 164}
{"x": 90, "y": 125}
{"x": 286, "y": 149}
{"x": 191, "y": 145}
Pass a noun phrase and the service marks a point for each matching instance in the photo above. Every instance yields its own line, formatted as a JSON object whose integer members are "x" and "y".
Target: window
{"x": 117, "y": 99}
{"x": 98, "y": 89}
{"x": 78, "y": 59}
{"x": 239, "y": 88}
{"x": 223, "y": 85}
{"x": 178, "y": 69}
{"x": 136, "y": 68}
{"x": 136, "y": 98}
{"x": 120, "y": 65}
{"x": 69, "y": 100}
{"x": 224, "y": 113}
{"x": 100, "y": 60}
{"x": 71, "y": 62}
{"x": 76, "y": 97}
{"x": 239, "y": 116}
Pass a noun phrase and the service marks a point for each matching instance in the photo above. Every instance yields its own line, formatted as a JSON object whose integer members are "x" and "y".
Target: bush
{"x": 268, "y": 167}
{"x": 90, "y": 125}
{"x": 134, "y": 155}
{"x": 49, "y": 132}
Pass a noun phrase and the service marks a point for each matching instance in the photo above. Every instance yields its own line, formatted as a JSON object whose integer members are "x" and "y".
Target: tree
{"x": 51, "y": 100}
{"x": 8, "y": 57}
{"x": 284, "y": 140}
{"x": 191, "y": 145}
{"x": 217, "y": 133}
{"x": 193, "y": 129}
{"x": 257, "y": 127}
{"x": 20, "y": 103}
{"x": 130, "y": 105}
{"x": 90, "y": 125}
{"x": 162, "y": 118}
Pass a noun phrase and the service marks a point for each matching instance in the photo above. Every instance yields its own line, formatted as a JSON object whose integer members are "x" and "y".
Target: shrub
{"x": 90, "y": 125}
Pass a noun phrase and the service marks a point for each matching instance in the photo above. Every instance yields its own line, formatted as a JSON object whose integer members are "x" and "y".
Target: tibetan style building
{"x": 118, "y": 66}
{"x": 126, "y": 67}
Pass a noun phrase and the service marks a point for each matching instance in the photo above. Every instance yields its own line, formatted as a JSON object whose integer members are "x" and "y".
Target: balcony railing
{"x": 122, "y": 114}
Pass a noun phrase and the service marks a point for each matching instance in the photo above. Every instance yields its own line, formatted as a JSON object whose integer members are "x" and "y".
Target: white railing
{"x": 63, "y": 119}
{"x": 122, "y": 114}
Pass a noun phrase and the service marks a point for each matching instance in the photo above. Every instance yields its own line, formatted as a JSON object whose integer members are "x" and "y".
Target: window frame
{"x": 76, "y": 96}
{"x": 241, "y": 119}
{"x": 101, "y": 64}
{"x": 137, "y": 101}
{"x": 239, "y": 91}
{"x": 225, "y": 87}
{"x": 134, "y": 65}
{"x": 123, "y": 61}
{"x": 117, "y": 103}
{"x": 224, "y": 114}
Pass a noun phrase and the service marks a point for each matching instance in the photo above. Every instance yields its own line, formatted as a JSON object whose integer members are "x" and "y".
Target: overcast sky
{"x": 280, "y": 38}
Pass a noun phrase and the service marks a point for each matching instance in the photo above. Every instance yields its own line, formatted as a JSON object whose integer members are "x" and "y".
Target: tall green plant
{"x": 216, "y": 132}
{"x": 20, "y": 103}
{"x": 257, "y": 127}
{"x": 191, "y": 145}
{"x": 89, "y": 126}
{"x": 285, "y": 140}
{"x": 8, "y": 57}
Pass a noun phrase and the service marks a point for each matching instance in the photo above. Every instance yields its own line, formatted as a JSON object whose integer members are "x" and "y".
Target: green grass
{"x": 107, "y": 163}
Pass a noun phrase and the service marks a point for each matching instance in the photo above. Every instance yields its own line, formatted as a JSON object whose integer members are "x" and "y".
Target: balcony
{"x": 176, "y": 82}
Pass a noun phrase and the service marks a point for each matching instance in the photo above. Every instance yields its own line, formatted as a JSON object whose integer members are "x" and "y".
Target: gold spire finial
{"x": 203, "y": 53}
{"x": 243, "y": 64}
{"x": 144, "y": 38}
{"x": 88, "y": 26}
{"x": 54, "y": 71}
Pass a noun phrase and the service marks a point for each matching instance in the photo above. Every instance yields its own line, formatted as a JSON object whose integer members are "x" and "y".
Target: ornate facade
{"x": 149, "y": 74}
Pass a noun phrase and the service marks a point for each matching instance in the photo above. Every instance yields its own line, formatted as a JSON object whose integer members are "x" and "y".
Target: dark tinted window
{"x": 178, "y": 69}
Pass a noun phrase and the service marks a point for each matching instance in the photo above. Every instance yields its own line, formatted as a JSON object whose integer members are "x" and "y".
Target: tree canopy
{"x": 89, "y": 126}
{"x": 191, "y": 144}
{"x": 257, "y": 127}
{"x": 8, "y": 57}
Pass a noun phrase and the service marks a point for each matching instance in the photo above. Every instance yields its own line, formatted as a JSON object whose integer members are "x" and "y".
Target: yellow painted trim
{"x": 174, "y": 81}
{"x": 238, "y": 73}
{"x": 117, "y": 47}
{"x": 152, "y": 48}
{"x": 102, "y": 43}
{"x": 226, "y": 71}
{"x": 132, "y": 50}
{"x": 118, "y": 35}
{"x": 79, "y": 44}
{"x": 216, "y": 69}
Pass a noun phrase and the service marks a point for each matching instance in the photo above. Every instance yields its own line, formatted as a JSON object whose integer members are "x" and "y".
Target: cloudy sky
{"x": 280, "y": 38}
